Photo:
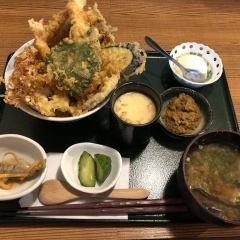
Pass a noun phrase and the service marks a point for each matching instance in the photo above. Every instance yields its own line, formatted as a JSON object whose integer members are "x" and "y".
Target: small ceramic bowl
{"x": 69, "y": 166}
{"x": 198, "y": 203}
{"x": 201, "y": 101}
{"x": 29, "y": 151}
{"x": 133, "y": 133}
{"x": 212, "y": 59}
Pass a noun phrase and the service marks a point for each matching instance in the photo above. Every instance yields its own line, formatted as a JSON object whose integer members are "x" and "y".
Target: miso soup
{"x": 215, "y": 167}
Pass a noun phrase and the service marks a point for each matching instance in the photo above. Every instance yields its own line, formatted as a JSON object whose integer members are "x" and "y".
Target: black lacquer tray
{"x": 153, "y": 165}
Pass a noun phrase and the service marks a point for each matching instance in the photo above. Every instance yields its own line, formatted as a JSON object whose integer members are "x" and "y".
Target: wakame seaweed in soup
{"x": 215, "y": 167}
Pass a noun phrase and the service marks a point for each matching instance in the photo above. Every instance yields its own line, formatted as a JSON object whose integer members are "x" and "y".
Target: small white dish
{"x": 24, "y": 107}
{"x": 69, "y": 166}
{"x": 212, "y": 59}
{"x": 28, "y": 150}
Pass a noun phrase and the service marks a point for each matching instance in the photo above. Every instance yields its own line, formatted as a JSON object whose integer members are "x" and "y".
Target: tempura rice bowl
{"x": 27, "y": 109}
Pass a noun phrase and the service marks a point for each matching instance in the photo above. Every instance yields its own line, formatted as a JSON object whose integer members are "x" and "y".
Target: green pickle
{"x": 86, "y": 170}
{"x": 103, "y": 165}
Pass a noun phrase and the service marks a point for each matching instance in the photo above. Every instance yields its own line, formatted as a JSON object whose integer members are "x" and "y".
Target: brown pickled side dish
{"x": 182, "y": 114}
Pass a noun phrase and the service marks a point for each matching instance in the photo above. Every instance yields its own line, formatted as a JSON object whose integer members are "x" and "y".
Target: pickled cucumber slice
{"x": 86, "y": 170}
{"x": 103, "y": 165}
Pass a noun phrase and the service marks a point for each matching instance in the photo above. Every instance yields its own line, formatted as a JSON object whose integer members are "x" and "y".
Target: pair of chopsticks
{"x": 168, "y": 205}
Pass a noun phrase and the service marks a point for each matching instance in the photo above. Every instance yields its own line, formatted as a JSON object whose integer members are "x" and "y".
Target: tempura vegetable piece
{"x": 106, "y": 87}
{"x": 74, "y": 64}
{"x": 115, "y": 59}
{"x": 125, "y": 58}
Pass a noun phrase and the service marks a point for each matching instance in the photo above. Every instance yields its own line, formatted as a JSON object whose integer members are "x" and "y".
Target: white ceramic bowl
{"x": 69, "y": 166}
{"x": 31, "y": 111}
{"x": 214, "y": 62}
{"x": 28, "y": 150}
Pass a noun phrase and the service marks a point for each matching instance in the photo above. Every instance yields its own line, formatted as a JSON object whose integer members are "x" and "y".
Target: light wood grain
{"x": 214, "y": 23}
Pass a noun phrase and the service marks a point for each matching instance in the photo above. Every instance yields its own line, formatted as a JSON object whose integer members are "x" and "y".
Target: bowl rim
{"x": 193, "y": 92}
{"x": 196, "y": 84}
{"x": 43, "y": 174}
{"x": 91, "y": 190}
{"x": 182, "y": 167}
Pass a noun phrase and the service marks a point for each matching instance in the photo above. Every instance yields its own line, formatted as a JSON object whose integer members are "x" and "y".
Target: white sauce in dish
{"x": 193, "y": 62}
{"x": 135, "y": 108}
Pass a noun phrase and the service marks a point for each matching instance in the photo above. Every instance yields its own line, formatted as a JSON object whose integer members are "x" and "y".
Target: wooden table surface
{"x": 214, "y": 23}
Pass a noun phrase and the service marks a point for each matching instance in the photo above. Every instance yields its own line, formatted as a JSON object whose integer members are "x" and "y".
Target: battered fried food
{"x": 73, "y": 64}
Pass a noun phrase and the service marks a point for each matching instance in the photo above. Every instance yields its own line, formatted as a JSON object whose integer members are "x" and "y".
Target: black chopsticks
{"x": 168, "y": 205}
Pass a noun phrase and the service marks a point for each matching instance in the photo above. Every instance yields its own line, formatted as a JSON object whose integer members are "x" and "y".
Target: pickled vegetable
{"x": 103, "y": 167}
{"x": 86, "y": 170}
